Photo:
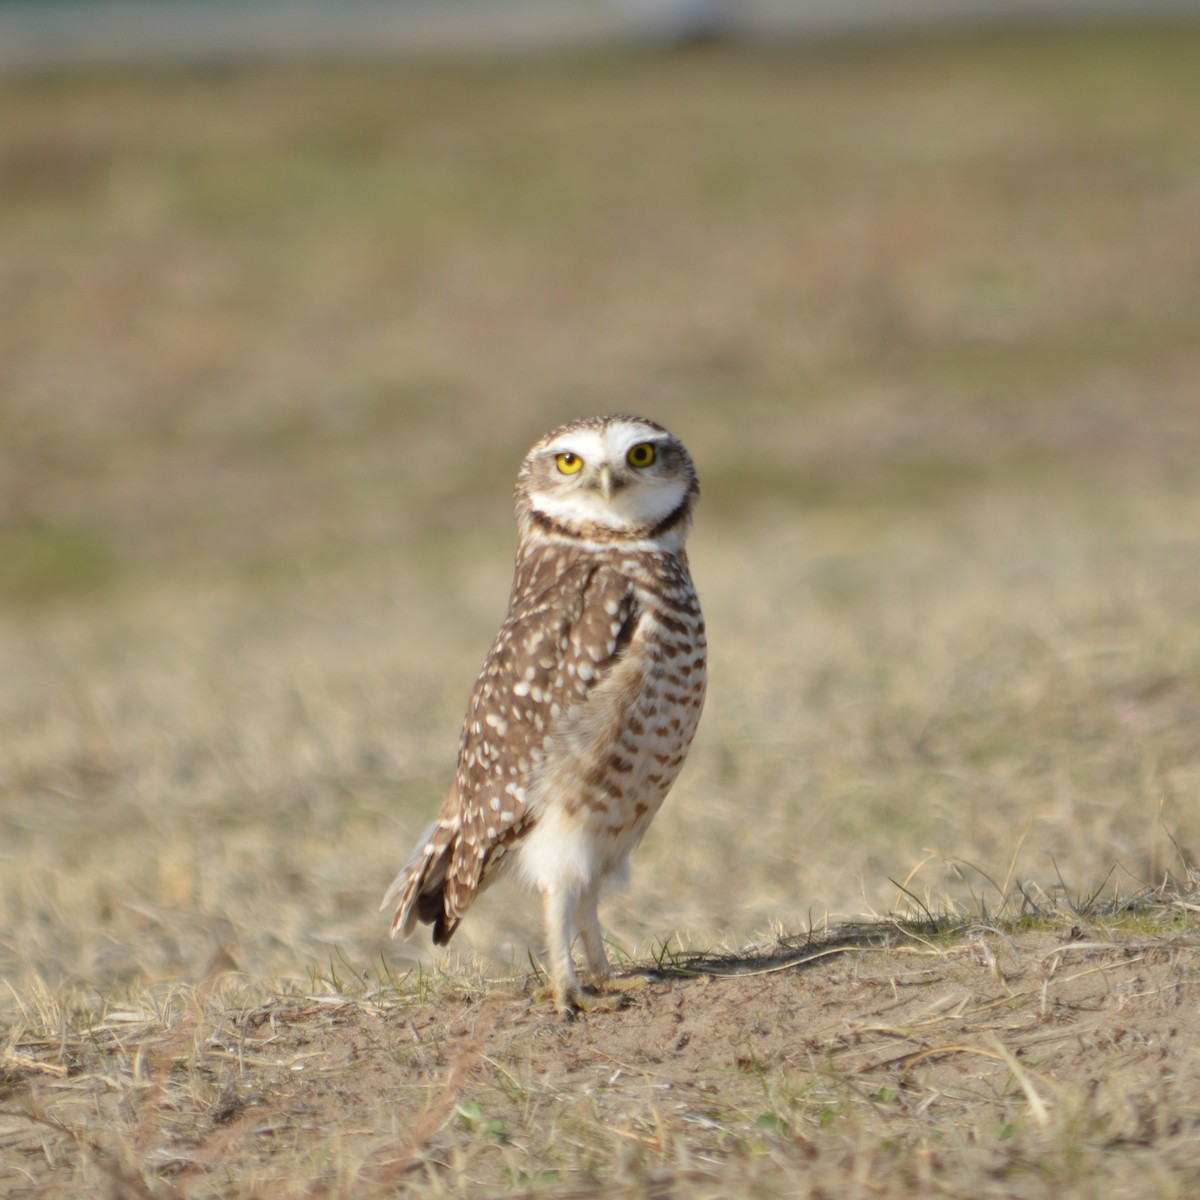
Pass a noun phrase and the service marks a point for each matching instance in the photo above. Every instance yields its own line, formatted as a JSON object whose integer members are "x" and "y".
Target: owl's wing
{"x": 569, "y": 623}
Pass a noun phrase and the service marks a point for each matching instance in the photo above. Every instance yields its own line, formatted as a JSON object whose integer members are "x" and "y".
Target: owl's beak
{"x": 606, "y": 482}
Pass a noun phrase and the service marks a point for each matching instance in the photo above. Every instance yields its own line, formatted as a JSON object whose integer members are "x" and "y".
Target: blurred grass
{"x": 250, "y": 293}
{"x": 272, "y": 343}
{"x": 39, "y": 562}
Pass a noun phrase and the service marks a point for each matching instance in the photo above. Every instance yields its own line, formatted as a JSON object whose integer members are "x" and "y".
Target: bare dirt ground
{"x": 272, "y": 343}
{"x": 1054, "y": 1061}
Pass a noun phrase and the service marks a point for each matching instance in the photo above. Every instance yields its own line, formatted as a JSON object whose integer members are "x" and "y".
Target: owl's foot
{"x": 604, "y": 996}
{"x": 629, "y": 982}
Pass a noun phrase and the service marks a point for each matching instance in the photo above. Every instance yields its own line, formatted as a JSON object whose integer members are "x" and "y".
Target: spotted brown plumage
{"x": 588, "y": 699}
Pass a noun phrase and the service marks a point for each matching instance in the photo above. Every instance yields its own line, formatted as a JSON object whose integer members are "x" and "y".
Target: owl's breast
{"x": 657, "y": 729}
{"x": 609, "y": 767}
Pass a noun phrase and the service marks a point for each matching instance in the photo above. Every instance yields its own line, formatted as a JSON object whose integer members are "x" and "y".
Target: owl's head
{"x": 608, "y": 479}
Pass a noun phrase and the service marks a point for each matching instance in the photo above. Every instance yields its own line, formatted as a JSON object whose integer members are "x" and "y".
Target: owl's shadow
{"x": 799, "y": 951}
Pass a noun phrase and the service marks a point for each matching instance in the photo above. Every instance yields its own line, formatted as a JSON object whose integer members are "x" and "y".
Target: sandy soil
{"x": 1046, "y": 1062}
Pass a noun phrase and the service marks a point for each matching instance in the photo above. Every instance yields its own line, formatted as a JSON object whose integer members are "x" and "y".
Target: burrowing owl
{"x": 589, "y": 697}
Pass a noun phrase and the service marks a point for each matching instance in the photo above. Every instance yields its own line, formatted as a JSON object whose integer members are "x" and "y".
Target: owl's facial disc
{"x": 625, "y": 476}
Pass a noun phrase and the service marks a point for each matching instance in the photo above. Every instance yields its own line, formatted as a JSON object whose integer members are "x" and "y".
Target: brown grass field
{"x": 923, "y": 908}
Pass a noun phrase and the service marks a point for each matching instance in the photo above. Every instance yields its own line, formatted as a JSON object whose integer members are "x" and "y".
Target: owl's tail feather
{"x": 419, "y": 890}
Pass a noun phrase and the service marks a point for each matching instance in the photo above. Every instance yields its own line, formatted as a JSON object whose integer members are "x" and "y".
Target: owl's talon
{"x": 584, "y": 1000}
{"x": 564, "y": 1003}
{"x": 592, "y": 999}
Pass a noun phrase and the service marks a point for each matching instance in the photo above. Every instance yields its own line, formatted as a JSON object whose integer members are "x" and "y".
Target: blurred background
{"x": 280, "y": 312}
{"x": 78, "y": 31}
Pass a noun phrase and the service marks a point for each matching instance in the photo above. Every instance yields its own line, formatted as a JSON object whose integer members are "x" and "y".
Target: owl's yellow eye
{"x": 642, "y": 455}
{"x": 569, "y": 463}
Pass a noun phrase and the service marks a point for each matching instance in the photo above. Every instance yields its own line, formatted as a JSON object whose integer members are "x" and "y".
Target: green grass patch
{"x": 41, "y": 563}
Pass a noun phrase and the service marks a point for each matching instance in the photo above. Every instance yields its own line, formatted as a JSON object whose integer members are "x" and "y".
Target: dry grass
{"x": 271, "y": 346}
{"x": 877, "y": 1060}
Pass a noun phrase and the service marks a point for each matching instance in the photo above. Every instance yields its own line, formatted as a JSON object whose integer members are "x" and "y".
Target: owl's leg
{"x": 564, "y": 983}
{"x": 599, "y": 969}
{"x": 587, "y": 921}
{"x": 569, "y": 998}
